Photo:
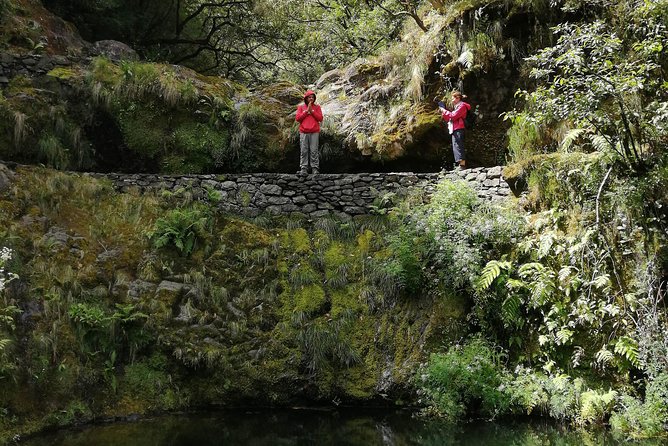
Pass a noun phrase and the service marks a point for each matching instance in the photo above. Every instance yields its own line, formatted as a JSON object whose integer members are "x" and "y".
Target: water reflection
{"x": 310, "y": 427}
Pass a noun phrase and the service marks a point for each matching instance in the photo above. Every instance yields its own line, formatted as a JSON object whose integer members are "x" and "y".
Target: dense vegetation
{"x": 552, "y": 305}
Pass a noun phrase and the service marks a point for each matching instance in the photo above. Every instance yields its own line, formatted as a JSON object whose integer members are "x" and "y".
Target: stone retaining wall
{"x": 30, "y": 65}
{"x": 343, "y": 195}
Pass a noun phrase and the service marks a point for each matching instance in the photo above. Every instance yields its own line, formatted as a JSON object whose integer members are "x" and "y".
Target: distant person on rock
{"x": 455, "y": 120}
{"x": 309, "y": 116}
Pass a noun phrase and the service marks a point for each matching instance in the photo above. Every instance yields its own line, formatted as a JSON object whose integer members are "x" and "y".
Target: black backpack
{"x": 470, "y": 119}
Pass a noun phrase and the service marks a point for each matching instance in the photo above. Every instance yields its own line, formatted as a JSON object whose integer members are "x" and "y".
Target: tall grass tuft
{"x": 20, "y": 127}
{"x": 51, "y": 149}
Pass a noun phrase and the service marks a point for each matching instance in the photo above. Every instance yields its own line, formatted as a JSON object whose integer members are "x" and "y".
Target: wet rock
{"x": 169, "y": 292}
{"x": 108, "y": 255}
{"x": 140, "y": 289}
{"x": 56, "y": 237}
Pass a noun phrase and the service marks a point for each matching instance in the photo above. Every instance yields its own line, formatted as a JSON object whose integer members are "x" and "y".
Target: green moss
{"x": 20, "y": 85}
{"x": 243, "y": 235}
{"x": 309, "y": 299}
{"x": 554, "y": 179}
{"x": 394, "y": 137}
{"x": 258, "y": 320}
{"x": 63, "y": 73}
{"x": 360, "y": 382}
{"x": 298, "y": 241}
{"x": 334, "y": 259}
{"x": 347, "y": 299}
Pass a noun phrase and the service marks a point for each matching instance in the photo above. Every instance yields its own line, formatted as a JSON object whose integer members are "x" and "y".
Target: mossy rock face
{"x": 63, "y": 73}
{"x": 30, "y": 28}
{"x": 551, "y": 177}
{"x": 285, "y": 92}
{"x": 309, "y": 299}
{"x": 261, "y": 315}
{"x": 169, "y": 292}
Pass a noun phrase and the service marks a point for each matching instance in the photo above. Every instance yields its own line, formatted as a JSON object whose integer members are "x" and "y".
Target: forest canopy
{"x": 245, "y": 39}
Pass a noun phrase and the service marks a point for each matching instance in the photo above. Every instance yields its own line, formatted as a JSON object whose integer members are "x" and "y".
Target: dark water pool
{"x": 313, "y": 427}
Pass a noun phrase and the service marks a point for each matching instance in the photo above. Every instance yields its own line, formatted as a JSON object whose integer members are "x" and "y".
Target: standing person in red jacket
{"x": 455, "y": 120}
{"x": 309, "y": 116}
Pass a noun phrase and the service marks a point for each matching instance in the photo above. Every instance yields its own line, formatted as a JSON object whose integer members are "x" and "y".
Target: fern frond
{"x": 529, "y": 269}
{"x": 604, "y": 356}
{"x": 599, "y": 143}
{"x": 491, "y": 271}
{"x": 628, "y": 348}
{"x": 515, "y": 284}
{"x": 546, "y": 243}
{"x": 564, "y": 336}
{"x": 570, "y": 137}
{"x": 602, "y": 282}
{"x": 510, "y": 311}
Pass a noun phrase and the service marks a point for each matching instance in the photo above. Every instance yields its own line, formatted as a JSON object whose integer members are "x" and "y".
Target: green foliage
{"x": 248, "y": 139}
{"x": 52, "y": 150}
{"x": 636, "y": 418}
{"x": 181, "y": 228}
{"x": 467, "y": 378}
{"x": 8, "y": 314}
{"x": 408, "y": 260}
{"x": 465, "y": 231}
{"x": 143, "y": 128}
{"x": 608, "y": 91}
{"x": 111, "y": 332}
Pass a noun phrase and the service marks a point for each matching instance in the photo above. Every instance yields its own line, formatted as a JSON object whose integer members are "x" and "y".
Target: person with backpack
{"x": 456, "y": 125}
{"x": 309, "y": 116}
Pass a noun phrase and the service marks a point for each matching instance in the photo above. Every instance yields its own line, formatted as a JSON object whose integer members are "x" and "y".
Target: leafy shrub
{"x": 181, "y": 228}
{"x": 465, "y": 231}
{"x": 408, "y": 261}
{"x": 466, "y": 379}
{"x": 636, "y": 418}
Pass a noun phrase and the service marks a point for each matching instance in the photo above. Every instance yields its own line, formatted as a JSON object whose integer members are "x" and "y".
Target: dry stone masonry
{"x": 30, "y": 65}
{"x": 342, "y": 195}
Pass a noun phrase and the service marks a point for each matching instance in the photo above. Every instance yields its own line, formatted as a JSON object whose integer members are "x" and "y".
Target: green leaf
{"x": 491, "y": 271}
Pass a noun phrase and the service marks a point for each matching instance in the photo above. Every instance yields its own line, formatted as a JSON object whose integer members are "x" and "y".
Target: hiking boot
{"x": 315, "y": 171}
{"x": 302, "y": 172}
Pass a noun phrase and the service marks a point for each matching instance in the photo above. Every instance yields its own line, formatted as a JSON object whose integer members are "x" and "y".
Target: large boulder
{"x": 114, "y": 50}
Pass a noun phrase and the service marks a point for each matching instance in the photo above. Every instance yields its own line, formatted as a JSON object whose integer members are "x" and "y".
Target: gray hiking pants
{"x": 458, "y": 145}
{"x": 310, "y": 154}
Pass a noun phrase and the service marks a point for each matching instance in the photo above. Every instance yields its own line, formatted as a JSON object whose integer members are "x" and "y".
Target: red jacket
{"x": 457, "y": 115}
{"x": 309, "y": 122}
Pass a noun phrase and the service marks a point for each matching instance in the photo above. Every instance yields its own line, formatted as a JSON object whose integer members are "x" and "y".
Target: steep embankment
{"x": 133, "y": 304}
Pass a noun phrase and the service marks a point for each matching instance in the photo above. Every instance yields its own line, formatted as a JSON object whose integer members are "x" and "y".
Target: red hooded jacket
{"x": 309, "y": 122}
{"x": 457, "y": 115}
